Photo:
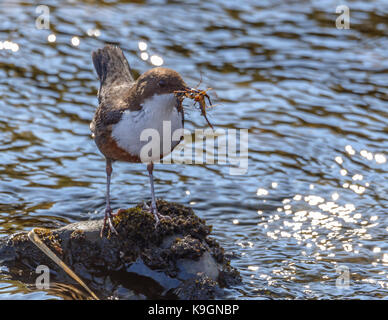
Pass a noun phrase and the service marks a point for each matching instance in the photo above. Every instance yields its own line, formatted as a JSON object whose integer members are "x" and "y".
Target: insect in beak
{"x": 199, "y": 97}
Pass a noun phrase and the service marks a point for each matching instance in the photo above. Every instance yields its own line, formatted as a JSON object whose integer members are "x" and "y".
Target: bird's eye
{"x": 162, "y": 83}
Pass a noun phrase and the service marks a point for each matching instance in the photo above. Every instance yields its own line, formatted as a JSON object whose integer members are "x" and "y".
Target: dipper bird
{"x": 128, "y": 107}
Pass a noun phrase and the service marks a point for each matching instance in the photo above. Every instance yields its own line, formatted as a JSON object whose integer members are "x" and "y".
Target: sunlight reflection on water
{"x": 313, "y": 98}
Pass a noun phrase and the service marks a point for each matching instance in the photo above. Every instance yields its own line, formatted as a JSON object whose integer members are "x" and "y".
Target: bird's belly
{"x": 148, "y": 133}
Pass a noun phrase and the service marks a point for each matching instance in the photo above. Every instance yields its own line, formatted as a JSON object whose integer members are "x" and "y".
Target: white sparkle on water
{"x": 75, "y": 41}
{"x": 156, "y": 60}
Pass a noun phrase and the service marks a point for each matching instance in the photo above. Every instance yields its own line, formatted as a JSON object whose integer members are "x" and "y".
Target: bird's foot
{"x": 108, "y": 218}
{"x": 156, "y": 214}
{"x": 159, "y": 217}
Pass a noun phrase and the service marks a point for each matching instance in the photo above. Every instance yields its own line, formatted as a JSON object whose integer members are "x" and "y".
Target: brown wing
{"x": 112, "y": 69}
{"x": 116, "y": 81}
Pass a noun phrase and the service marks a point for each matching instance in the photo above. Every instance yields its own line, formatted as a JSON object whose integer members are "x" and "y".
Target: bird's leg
{"x": 154, "y": 209}
{"x": 108, "y": 211}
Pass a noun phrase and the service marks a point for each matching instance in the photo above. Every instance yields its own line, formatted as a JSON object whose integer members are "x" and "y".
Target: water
{"x": 313, "y": 203}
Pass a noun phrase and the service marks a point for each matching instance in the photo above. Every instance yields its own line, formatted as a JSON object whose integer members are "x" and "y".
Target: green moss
{"x": 50, "y": 238}
{"x": 77, "y": 234}
{"x": 188, "y": 247}
{"x": 19, "y": 238}
{"x": 137, "y": 224}
{"x": 183, "y": 236}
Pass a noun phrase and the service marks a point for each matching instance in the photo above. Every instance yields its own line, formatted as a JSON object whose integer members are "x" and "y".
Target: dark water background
{"x": 313, "y": 97}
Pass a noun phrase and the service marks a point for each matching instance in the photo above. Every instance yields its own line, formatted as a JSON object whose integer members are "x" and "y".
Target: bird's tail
{"x": 112, "y": 67}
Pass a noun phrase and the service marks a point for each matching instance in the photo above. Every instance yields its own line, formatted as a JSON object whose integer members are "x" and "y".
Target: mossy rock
{"x": 171, "y": 260}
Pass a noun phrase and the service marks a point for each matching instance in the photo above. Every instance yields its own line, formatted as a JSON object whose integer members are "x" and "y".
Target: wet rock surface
{"x": 176, "y": 260}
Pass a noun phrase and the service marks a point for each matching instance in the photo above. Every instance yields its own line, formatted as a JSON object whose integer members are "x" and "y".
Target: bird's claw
{"x": 156, "y": 214}
{"x": 108, "y": 218}
{"x": 159, "y": 217}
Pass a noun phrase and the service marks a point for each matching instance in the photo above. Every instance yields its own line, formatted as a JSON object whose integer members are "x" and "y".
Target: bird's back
{"x": 112, "y": 69}
{"x": 116, "y": 79}
{"x": 116, "y": 82}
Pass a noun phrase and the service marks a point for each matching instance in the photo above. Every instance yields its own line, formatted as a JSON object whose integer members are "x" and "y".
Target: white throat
{"x": 155, "y": 110}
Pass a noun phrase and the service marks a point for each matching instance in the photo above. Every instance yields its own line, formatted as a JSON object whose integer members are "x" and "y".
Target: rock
{"x": 178, "y": 259}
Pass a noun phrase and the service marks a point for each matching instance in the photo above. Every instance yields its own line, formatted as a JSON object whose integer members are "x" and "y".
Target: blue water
{"x": 314, "y": 99}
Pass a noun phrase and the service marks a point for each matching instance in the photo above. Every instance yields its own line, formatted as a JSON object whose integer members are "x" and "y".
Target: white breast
{"x": 155, "y": 110}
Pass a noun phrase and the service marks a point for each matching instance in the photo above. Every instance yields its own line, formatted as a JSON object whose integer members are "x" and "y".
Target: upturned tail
{"x": 112, "y": 67}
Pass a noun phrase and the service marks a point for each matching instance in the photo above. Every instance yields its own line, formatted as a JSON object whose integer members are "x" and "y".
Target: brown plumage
{"x": 119, "y": 94}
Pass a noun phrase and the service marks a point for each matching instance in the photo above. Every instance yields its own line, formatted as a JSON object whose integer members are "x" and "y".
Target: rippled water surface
{"x": 313, "y": 203}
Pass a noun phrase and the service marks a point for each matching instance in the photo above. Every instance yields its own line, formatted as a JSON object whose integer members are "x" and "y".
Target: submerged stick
{"x": 39, "y": 243}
